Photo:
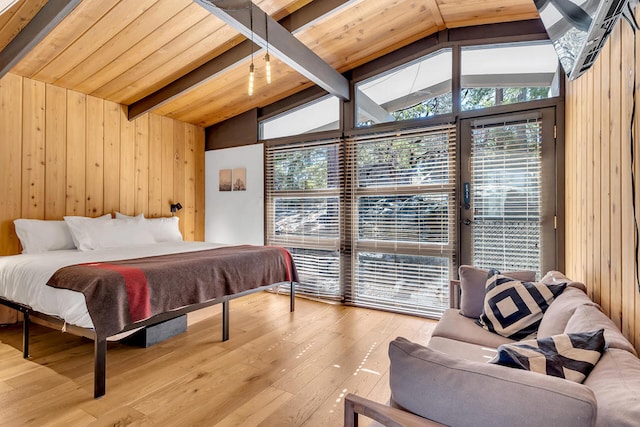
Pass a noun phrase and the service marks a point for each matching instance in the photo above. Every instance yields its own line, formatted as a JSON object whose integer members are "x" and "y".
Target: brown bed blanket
{"x": 119, "y": 293}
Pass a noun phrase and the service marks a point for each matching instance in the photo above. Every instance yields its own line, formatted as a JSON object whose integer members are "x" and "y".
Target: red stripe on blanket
{"x": 287, "y": 260}
{"x": 137, "y": 289}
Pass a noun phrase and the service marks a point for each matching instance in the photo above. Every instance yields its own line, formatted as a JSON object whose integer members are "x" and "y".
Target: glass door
{"x": 508, "y": 196}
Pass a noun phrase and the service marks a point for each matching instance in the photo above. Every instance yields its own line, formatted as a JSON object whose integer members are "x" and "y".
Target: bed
{"x": 62, "y": 286}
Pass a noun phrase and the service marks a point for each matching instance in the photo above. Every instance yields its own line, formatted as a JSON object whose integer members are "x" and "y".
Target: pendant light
{"x": 267, "y": 60}
{"x": 251, "y": 67}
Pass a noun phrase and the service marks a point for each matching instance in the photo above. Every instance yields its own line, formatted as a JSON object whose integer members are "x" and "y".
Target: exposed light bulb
{"x": 268, "y": 67}
{"x": 251, "y": 77}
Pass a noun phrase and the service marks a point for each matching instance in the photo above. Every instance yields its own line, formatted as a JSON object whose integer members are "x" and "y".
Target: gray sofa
{"x": 449, "y": 382}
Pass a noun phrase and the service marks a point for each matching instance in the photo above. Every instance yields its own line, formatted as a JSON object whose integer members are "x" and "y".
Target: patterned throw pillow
{"x": 513, "y": 308}
{"x": 569, "y": 356}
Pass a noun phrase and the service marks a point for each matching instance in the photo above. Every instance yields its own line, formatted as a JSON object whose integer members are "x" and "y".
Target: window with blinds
{"x": 304, "y": 182}
{"x": 506, "y": 175}
{"x": 401, "y": 197}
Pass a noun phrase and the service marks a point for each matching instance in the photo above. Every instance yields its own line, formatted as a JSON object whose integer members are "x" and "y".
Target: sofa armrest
{"x": 390, "y": 417}
{"x": 436, "y": 385}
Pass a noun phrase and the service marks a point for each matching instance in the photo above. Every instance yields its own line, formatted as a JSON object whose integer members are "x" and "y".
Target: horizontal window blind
{"x": 408, "y": 284}
{"x": 506, "y": 172}
{"x": 304, "y": 184}
{"x": 415, "y": 218}
{"x": 401, "y": 227}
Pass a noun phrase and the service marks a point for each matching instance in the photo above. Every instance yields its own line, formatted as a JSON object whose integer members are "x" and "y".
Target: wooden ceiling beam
{"x": 371, "y": 109}
{"x": 37, "y": 29}
{"x": 292, "y": 23}
{"x": 437, "y": 15}
{"x": 252, "y": 22}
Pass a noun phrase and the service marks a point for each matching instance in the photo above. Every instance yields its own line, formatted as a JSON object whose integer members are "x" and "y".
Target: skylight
{"x": 490, "y": 75}
{"x": 528, "y": 59}
{"x": 319, "y": 115}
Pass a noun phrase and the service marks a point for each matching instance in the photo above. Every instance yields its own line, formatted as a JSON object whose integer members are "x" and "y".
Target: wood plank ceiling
{"x": 131, "y": 51}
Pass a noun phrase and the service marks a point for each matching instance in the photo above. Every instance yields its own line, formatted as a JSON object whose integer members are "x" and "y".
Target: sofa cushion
{"x": 557, "y": 316}
{"x": 615, "y": 382}
{"x": 472, "y": 287}
{"x": 568, "y": 356}
{"x": 458, "y": 392}
{"x": 463, "y": 350}
{"x": 457, "y": 327}
{"x": 514, "y": 308}
{"x": 589, "y": 317}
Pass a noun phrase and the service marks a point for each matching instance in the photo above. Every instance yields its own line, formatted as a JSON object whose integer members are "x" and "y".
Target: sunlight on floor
{"x": 364, "y": 360}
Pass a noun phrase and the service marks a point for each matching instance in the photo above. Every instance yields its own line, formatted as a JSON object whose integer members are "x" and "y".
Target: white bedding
{"x": 23, "y": 277}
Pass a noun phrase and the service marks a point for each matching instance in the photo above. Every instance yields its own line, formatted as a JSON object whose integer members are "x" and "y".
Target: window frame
{"x": 298, "y": 107}
{"x": 550, "y": 174}
{"x": 355, "y": 246}
{"x": 300, "y": 242}
{"x": 428, "y": 56}
{"x": 455, "y": 39}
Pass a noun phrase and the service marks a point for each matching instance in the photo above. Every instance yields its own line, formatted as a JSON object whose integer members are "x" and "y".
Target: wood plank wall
{"x": 599, "y": 208}
{"x": 66, "y": 153}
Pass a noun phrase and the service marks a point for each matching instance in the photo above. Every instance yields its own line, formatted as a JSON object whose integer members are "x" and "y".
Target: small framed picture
{"x": 240, "y": 179}
{"x": 225, "y": 180}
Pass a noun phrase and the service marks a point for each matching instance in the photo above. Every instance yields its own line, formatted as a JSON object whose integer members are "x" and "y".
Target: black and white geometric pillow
{"x": 513, "y": 308}
{"x": 569, "y": 356}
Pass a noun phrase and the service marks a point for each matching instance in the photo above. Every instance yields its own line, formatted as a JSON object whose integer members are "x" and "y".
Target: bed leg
{"x": 225, "y": 320}
{"x": 25, "y": 334}
{"x": 100, "y": 368}
{"x": 292, "y": 295}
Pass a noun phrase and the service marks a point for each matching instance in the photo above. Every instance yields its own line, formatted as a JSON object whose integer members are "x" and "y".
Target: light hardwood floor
{"x": 278, "y": 369}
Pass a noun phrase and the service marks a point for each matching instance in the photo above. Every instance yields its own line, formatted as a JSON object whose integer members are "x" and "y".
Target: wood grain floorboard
{"x": 278, "y": 369}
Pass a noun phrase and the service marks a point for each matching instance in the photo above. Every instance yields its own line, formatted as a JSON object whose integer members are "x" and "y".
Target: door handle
{"x": 467, "y": 222}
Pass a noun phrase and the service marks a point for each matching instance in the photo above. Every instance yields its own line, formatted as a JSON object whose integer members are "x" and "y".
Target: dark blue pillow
{"x": 569, "y": 356}
{"x": 513, "y": 308}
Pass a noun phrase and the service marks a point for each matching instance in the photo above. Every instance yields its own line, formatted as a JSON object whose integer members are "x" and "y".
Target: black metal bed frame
{"x": 100, "y": 346}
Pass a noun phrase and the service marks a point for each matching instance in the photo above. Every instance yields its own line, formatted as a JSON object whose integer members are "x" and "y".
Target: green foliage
{"x": 476, "y": 98}
{"x": 404, "y": 161}
{"x": 471, "y": 99}
{"x": 305, "y": 169}
{"x": 431, "y": 107}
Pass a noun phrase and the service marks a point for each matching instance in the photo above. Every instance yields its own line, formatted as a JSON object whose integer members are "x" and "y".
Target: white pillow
{"x": 164, "y": 229}
{"x": 121, "y": 232}
{"x": 37, "y": 236}
{"x": 81, "y": 229}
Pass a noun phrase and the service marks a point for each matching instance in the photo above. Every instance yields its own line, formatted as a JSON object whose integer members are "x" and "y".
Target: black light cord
{"x": 631, "y": 19}
{"x": 632, "y": 133}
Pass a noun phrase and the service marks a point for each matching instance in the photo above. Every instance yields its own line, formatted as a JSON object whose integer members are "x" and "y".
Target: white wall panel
{"x": 235, "y": 217}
